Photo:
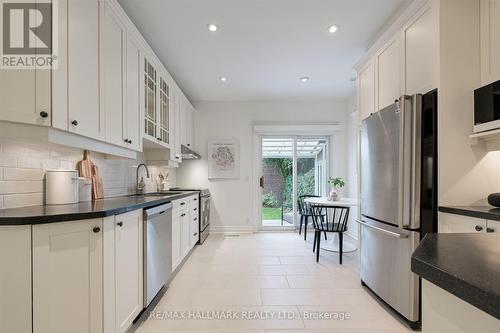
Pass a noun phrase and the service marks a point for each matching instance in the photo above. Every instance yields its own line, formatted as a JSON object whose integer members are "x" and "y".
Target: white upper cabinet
{"x": 133, "y": 86}
{"x": 421, "y": 52}
{"x": 187, "y": 123}
{"x": 175, "y": 150}
{"x": 84, "y": 113}
{"x": 388, "y": 73}
{"x": 490, "y": 41}
{"x": 366, "y": 90}
{"x": 25, "y": 96}
{"x": 164, "y": 112}
{"x": 109, "y": 84}
{"x": 120, "y": 81}
{"x": 112, "y": 74}
{"x": 150, "y": 101}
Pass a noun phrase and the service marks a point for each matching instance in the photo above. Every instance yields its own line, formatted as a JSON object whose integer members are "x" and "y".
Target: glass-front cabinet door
{"x": 164, "y": 124}
{"x": 150, "y": 89}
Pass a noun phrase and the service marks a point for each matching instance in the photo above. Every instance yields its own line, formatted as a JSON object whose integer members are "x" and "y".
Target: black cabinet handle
{"x": 96, "y": 229}
{"x": 189, "y": 145}
{"x": 44, "y": 114}
{"x": 158, "y": 138}
{"x": 120, "y": 224}
{"x": 74, "y": 123}
{"x": 195, "y": 234}
{"x": 183, "y": 203}
{"x": 195, "y": 219}
{"x": 490, "y": 230}
{"x": 130, "y": 141}
{"x": 478, "y": 228}
{"x": 125, "y": 140}
{"x": 195, "y": 199}
{"x": 183, "y": 214}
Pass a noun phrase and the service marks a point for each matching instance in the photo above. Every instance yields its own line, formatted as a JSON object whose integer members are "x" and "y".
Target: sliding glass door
{"x": 291, "y": 166}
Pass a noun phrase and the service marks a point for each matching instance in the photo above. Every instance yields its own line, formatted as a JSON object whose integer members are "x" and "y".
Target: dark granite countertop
{"x": 480, "y": 212}
{"x": 466, "y": 265}
{"x": 84, "y": 210}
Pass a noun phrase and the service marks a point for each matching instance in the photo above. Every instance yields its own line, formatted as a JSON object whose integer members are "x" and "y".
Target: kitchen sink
{"x": 156, "y": 194}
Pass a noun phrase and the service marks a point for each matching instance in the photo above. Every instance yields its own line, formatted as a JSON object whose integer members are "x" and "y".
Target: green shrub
{"x": 269, "y": 200}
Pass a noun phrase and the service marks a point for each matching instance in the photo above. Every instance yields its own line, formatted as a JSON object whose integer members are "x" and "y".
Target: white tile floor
{"x": 273, "y": 275}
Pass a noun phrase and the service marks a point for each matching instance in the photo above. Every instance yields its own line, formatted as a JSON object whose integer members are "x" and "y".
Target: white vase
{"x": 334, "y": 194}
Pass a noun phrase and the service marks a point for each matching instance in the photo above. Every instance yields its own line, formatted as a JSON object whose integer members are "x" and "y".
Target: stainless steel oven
{"x": 204, "y": 209}
{"x": 204, "y": 216}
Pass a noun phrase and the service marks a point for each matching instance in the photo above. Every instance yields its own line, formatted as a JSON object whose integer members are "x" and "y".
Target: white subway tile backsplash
{"x": 48, "y": 164}
{"x": 23, "y": 164}
{"x": 22, "y": 200}
{"x": 22, "y": 174}
{"x": 29, "y": 162}
{"x": 13, "y": 187}
{"x": 25, "y": 148}
{"x": 8, "y": 160}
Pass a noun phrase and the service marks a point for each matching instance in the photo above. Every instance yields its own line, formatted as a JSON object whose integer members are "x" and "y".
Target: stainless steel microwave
{"x": 487, "y": 108}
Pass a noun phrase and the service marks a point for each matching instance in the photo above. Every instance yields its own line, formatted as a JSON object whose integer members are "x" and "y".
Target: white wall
{"x": 232, "y": 206}
{"x": 25, "y": 154}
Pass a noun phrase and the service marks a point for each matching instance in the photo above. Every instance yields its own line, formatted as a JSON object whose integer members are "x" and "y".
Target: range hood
{"x": 189, "y": 154}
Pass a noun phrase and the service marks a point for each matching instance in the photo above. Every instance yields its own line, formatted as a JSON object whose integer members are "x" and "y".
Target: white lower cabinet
{"x": 176, "y": 238}
{"x": 195, "y": 227}
{"x": 87, "y": 275}
{"x": 492, "y": 226}
{"x": 443, "y": 312}
{"x": 183, "y": 229}
{"x": 67, "y": 277}
{"x": 452, "y": 223}
{"x": 123, "y": 270}
{"x": 186, "y": 231}
{"x": 15, "y": 279}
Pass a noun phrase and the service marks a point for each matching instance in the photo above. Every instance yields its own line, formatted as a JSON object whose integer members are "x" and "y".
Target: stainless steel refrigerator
{"x": 398, "y": 198}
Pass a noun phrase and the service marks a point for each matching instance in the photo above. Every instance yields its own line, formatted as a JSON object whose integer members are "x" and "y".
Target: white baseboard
{"x": 232, "y": 230}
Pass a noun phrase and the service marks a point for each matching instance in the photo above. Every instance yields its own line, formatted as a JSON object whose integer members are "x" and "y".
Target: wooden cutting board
{"x": 85, "y": 166}
{"x": 88, "y": 169}
{"x": 97, "y": 183}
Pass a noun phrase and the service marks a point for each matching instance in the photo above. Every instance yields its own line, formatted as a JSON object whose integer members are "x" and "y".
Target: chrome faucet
{"x": 140, "y": 187}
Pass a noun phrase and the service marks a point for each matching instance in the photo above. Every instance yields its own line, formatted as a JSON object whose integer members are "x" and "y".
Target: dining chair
{"x": 329, "y": 218}
{"x": 304, "y": 212}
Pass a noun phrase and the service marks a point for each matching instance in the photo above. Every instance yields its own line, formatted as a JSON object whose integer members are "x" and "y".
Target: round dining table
{"x": 332, "y": 244}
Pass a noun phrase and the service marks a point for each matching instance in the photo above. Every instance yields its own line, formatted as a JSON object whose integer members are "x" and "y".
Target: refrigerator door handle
{"x": 387, "y": 232}
{"x": 402, "y": 121}
{"x": 416, "y": 152}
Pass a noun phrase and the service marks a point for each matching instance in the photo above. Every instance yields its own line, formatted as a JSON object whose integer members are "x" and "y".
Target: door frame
{"x": 329, "y": 130}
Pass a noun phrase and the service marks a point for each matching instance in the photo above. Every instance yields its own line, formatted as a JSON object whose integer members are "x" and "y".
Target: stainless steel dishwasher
{"x": 157, "y": 250}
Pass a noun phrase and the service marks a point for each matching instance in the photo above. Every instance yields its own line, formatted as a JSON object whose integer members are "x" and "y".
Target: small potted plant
{"x": 337, "y": 184}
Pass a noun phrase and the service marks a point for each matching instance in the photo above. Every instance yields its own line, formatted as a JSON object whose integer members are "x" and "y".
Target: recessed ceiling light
{"x": 223, "y": 78}
{"x": 212, "y": 27}
{"x": 333, "y": 28}
{"x": 304, "y": 79}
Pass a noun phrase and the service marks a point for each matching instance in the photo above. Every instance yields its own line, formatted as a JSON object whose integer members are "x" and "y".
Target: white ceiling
{"x": 263, "y": 47}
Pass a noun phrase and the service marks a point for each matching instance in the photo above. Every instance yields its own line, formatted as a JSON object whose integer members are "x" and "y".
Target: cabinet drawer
{"x": 452, "y": 223}
{"x": 492, "y": 226}
{"x": 180, "y": 204}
